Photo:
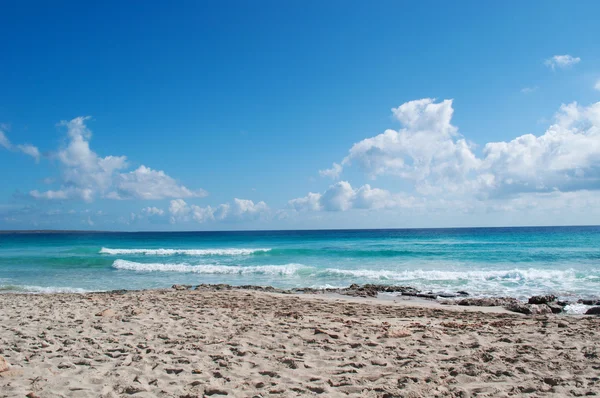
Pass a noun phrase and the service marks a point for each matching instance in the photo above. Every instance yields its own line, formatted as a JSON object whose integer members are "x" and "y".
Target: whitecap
{"x": 287, "y": 269}
{"x": 39, "y": 289}
{"x": 188, "y": 252}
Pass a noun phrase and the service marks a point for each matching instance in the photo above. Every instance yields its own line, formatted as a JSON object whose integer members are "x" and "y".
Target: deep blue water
{"x": 483, "y": 261}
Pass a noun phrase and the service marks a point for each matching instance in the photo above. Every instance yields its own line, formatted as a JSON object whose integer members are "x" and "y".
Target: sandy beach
{"x": 195, "y": 343}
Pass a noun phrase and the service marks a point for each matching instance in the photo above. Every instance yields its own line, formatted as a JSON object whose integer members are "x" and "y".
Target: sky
{"x": 238, "y": 115}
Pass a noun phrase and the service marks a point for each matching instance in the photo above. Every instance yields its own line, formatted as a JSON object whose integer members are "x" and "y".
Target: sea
{"x": 516, "y": 262}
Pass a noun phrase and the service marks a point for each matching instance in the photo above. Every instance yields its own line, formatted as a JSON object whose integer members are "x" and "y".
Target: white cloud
{"x": 4, "y": 141}
{"x": 597, "y": 85}
{"x": 62, "y": 194}
{"x": 153, "y": 211}
{"x": 49, "y": 194}
{"x": 85, "y": 175}
{"x": 145, "y": 183}
{"x": 30, "y": 150}
{"x": 342, "y": 197}
{"x": 529, "y": 90}
{"x": 27, "y": 149}
{"x": 239, "y": 210}
{"x": 565, "y": 158}
{"x": 311, "y": 202}
{"x": 338, "y": 197}
{"x": 429, "y": 152}
{"x": 179, "y": 210}
{"x": 561, "y": 61}
{"x": 333, "y": 173}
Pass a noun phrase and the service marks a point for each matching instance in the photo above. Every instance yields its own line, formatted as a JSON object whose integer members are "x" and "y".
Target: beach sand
{"x": 239, "y": 343}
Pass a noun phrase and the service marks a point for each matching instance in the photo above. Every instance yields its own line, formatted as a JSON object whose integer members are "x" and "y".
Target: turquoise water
{"x": 517, "y": 262}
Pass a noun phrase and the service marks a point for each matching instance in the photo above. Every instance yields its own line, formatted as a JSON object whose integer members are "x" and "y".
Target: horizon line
{"x": 65, "y": 231}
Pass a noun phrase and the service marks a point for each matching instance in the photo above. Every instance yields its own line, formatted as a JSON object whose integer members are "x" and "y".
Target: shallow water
{"x": 517, "y": 262}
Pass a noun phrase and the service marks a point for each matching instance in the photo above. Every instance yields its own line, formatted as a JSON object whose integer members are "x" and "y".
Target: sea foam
{"x": 39, "y": 289}
{"x": 287, "y": 269}
{"x": 436, "y": 275}
{"x": 188, "y": 252}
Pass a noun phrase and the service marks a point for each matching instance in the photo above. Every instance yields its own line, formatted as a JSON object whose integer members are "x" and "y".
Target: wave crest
{"x": 287, "y": 269}
{"x": 188, "y": 252}
{"x": 39, "y": 289}
{"x": 434, "y": 275}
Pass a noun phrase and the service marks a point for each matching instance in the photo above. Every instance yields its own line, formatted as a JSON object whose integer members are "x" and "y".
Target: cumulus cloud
{"x": 334, "y": 172}
{"x": 342, "y": 197}
{"x": 311, "y": 202}
{"x": 153, "y": 211}
{"x": 565, "y": 158}
{"x": 27, "y": 149}
{"x": 597, "y": 85}
{"x": 145, "y": 183}
{"x": 238, "y": 210}
{"x": 86, "y": 175}
{"x": 179, "y": 210}
{"x": 562, "y": 61}
{"x": 429, "y": 152}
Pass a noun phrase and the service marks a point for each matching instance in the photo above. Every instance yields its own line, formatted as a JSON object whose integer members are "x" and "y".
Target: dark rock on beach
{"x": 593, "y": 311}
{"x": 354, "y": 290}
{"x": 589, "y": 302}
{"x": 529, "y": 309}
{"x": 487, "y": 301}
{"x": 181, "y": 287}
{"x": 555, "y": 307}
{"x": 542, "y": 299}
{"x": 431, "y": 296}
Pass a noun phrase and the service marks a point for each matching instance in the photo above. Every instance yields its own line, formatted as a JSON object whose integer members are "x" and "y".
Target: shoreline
{"x": 406, "y": 295}
{"x": 240, "y": 343}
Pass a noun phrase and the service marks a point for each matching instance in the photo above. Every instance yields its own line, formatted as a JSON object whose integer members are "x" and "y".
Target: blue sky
{"x": 200, "y": 115}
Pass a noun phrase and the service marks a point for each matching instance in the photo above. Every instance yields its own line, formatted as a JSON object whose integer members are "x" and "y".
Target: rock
{"x": 4, "y": 365}
{"x": 488, "y": 301}
{"x": 378, "y": 362}
{"x": 593, "y": 311}
{"x": 542, "y": 299}
{"x": 32, "y": 395}
{"x": 553, "y": 381}
{"x": 555, "y": 308}
{"x": 215, "y": 391}
{"x": 431, "y": 296}
{"x": 462, "y": 293}
{"x": 106, "y": 313}
{"x": 529, "y": 309}
{"x": 446, "y": 294}
{"x": 133, "y": 390}
{"x": 182, "y": 287}
{"x": 589, "y": 302}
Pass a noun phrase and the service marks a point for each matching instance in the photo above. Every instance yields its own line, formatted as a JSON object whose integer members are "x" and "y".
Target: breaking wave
{"x": 514, "y": 275}
{"x": 188, "y": 252}
{"x": 288, "y": 269}
{"x": 39, "y": 289}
